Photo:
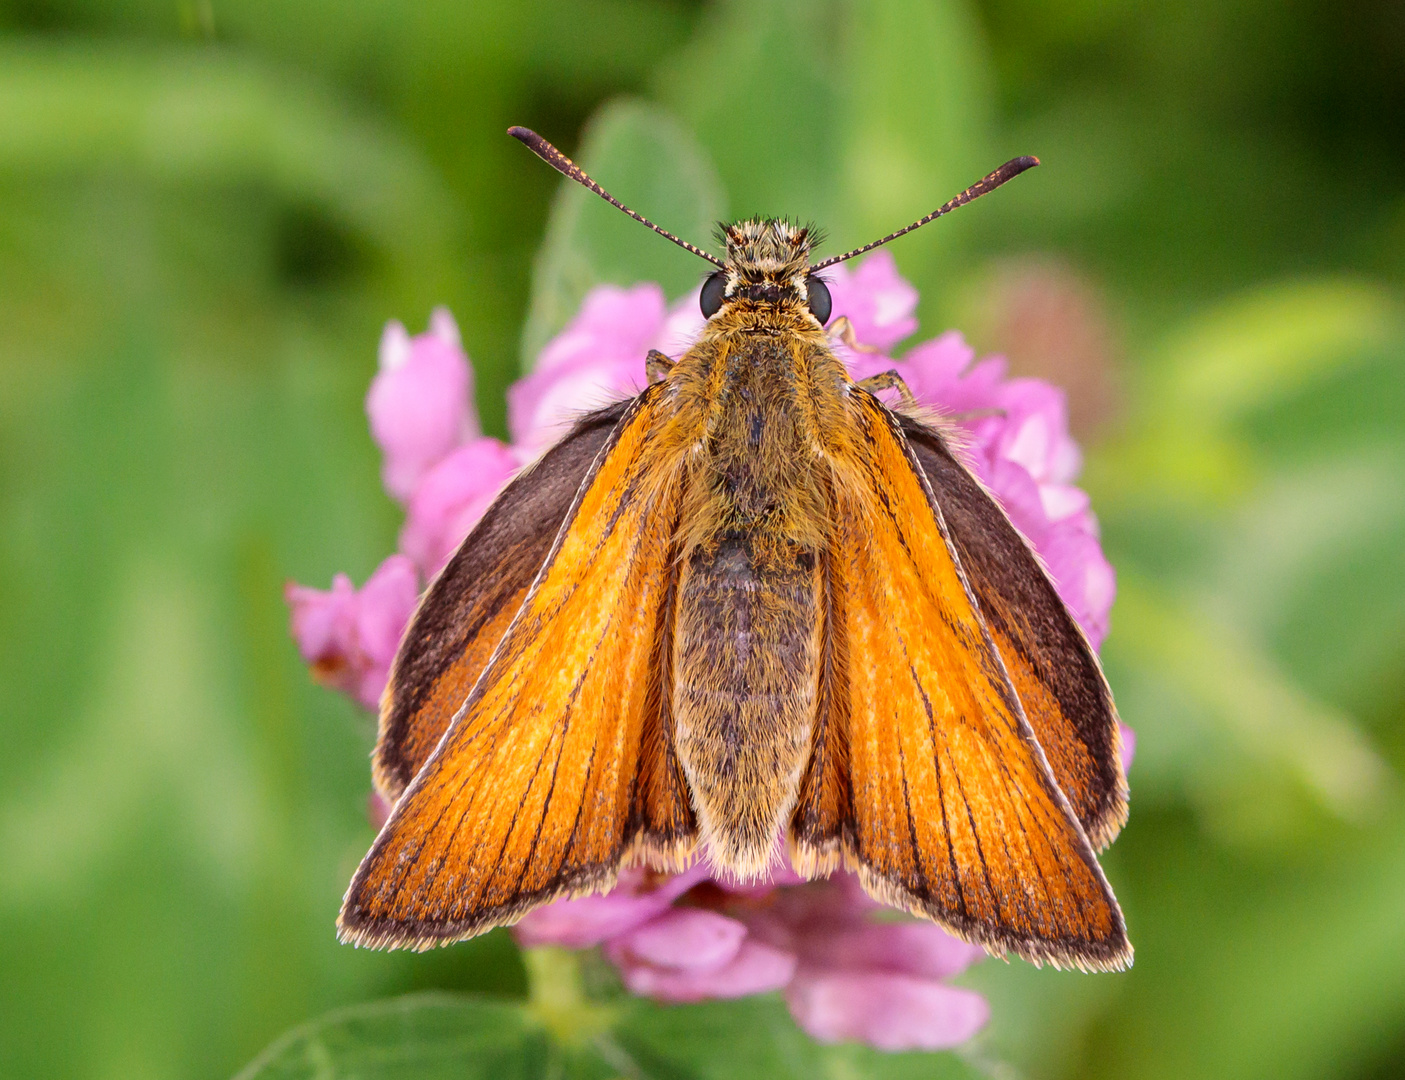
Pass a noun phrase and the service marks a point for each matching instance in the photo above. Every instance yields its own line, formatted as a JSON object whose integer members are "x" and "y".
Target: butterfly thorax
{"x": 756, "y": 393}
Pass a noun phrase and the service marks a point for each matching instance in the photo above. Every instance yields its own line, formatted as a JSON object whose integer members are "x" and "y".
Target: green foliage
{"x": 423, "y": 1036}
{"x": 207, "y": 213}
{"x": 560, "y": 1032}
{"x": 426, "y": 1036}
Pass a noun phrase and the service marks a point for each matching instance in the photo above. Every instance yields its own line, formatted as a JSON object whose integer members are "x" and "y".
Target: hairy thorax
{"x": 749, "y": 625}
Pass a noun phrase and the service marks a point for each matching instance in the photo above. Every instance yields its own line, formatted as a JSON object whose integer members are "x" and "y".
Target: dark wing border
{"x": 1019, "y": 602}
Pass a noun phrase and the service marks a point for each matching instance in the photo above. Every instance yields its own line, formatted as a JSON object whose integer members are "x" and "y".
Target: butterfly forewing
{"x": 468, "y": 608}
{"x": 1054, "y": 670}
{"x": 929, "y": 779}
{"x": 538, "y": 789}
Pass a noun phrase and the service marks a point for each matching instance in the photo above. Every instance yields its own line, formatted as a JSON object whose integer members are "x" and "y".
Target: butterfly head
{"x": 767, "y": 265}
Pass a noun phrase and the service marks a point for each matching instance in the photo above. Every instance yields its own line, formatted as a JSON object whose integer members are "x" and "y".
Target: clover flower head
{"x": 878, "y": 301}
{"x": 420, "y": 404}
{"x": 450, "y": 498}
{"x": 597, "y": 360}
{"x": 347, "y": 635}
{"x": 845, "y": 972}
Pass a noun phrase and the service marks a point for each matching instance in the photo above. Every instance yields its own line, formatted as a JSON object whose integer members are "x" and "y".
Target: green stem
{"x": 556, "y": 995}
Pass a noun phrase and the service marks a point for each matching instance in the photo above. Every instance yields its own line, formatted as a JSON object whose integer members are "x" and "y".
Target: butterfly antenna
{"x": 1008, "y": 171}
{"x": 566, "y": 167}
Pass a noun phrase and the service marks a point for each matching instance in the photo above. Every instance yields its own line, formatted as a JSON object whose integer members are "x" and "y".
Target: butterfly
{"x": 753, "y": 601}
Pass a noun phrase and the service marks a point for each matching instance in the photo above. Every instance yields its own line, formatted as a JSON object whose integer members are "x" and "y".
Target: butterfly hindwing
{"x": 467, "y": 609}
{"x": 1054, "y": 670}
{"x": 926, "y": 775}
{"x": 554, "y": 772}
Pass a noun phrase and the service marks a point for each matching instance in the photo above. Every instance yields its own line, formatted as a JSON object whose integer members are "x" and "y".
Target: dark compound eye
{"x": 712, "y": 291}
{"x": 820, "y": 303}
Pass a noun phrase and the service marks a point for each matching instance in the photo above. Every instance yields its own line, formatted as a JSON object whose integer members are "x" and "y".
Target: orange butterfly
{"x": 751, "y": 601}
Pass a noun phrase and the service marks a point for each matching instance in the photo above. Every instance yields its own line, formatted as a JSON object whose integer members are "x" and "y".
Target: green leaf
{"x": 912, "y": 132}
{"x": 755, "y": 1036}
{"x": 421, "y": 1037}
{"x": 775, "y": 150}
{"x": 1289, "y": 972}
{"x": 1240, "y": 357}
{"x": 883, "y": 117}
{"x": 648, "y": 162}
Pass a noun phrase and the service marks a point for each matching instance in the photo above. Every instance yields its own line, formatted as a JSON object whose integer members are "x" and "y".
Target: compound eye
{"x": 820, "y": 303}
{"x": 712, "y": 292}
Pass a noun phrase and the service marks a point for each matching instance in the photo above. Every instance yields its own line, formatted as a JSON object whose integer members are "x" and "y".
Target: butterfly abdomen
{"x": 745, "y": 686}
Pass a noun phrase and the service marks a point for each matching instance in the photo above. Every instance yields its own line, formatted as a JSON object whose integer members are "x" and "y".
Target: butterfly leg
{"x": 889, "y": 380}
{"x": 657, "y": 365}
{"x": 843, "y": 329}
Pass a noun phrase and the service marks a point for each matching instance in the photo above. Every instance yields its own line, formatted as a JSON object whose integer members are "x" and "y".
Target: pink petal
{"x": 442, "y": 326}
{"x": 1129, "y": 745}
{"x": 794, "y": 918}
{"x": 875, "y": 298}
{"x": 1020, "y": 497}
{"x": 542, "y": 406}
{"x": 420, "y": 402}
{"x": 450, "y": 500}
{"x": 386, "y": 602}
{"x": 936, "y": 372}
{"x": 612, "y": 321}
{"x": 1036, "y": 430}
{"x": 891, "y": 1012}
{"x": 756, "y": 969}
{"x": 589, "y": 920}
{"x": 682, "y": 327}
{"x": 323, "y": 623}
{"x": 383, "y": 608}
{"x": 687, "y": 939}
{"x": 597, "y": 360}
{"x": 349, "y": 637}
{"x": 1062, "y": 500}
{"x": 909, "y": 948}
{"x": 1082, "y": 575}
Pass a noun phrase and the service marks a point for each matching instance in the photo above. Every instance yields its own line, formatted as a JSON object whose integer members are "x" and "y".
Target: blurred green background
{"x": 208, "y": 210}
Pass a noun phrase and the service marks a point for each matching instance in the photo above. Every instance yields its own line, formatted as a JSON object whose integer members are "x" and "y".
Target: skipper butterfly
{"x": 752, "y": 601}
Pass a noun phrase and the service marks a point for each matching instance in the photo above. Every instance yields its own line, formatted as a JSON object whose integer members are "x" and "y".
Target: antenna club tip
{"x": 522, "y": 134}
{"x": 1020, "y": 164}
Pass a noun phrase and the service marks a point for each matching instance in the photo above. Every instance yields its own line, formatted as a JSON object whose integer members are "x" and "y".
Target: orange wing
{"x": 929, "y": 780}
{"x": 558, "y": 767}
{"x": 1054, "y": 670}
{"x": 466, "y": 611}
